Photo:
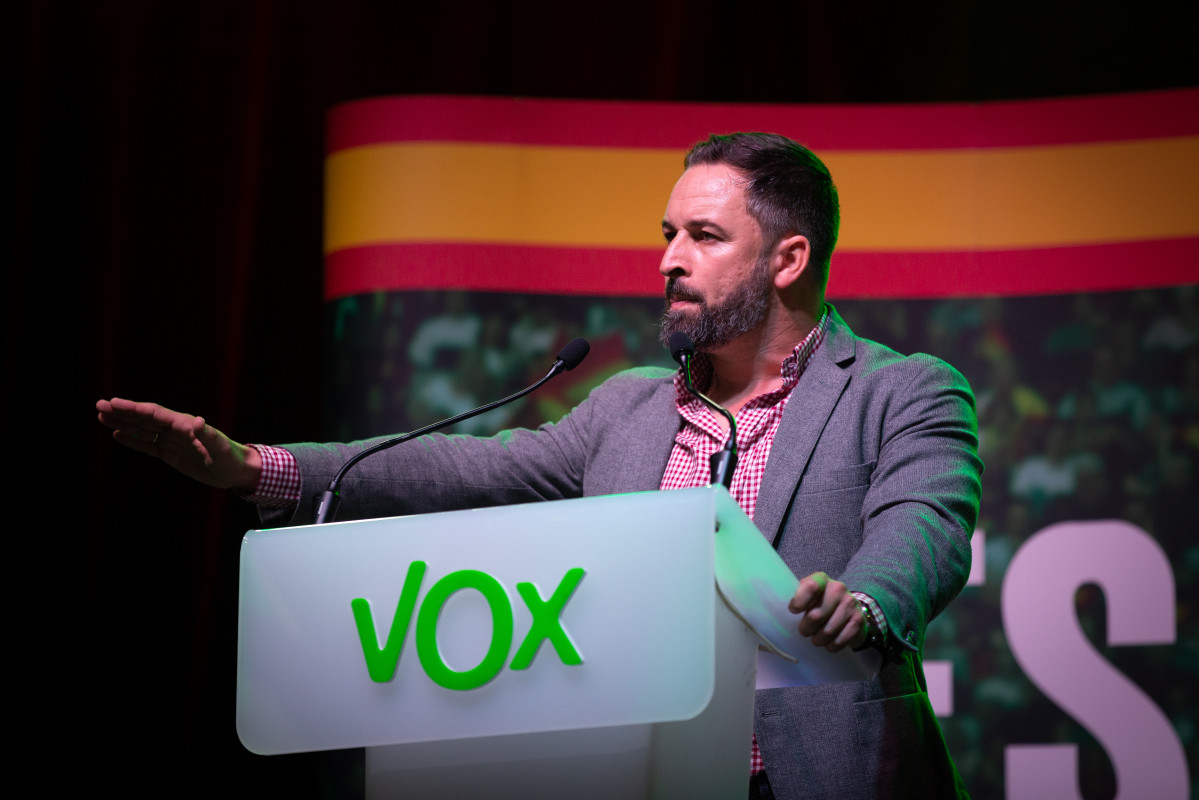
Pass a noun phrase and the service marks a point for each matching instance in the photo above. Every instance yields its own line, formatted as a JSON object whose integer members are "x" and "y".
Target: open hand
{"x": 184, "y": 442}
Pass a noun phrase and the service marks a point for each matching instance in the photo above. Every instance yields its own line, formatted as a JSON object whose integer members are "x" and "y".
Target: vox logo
{"x": 381, "y": 662}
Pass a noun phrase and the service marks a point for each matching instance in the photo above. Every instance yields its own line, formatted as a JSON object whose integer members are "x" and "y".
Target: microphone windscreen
{"x": 574, "y": 353}
{"x": 680, "y": 345}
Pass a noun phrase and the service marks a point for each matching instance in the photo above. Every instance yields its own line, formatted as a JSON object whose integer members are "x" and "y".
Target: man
{"x": 856, "y": 462}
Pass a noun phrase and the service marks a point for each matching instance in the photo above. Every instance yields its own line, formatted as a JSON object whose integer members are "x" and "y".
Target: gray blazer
{"x": 873, "y": 477}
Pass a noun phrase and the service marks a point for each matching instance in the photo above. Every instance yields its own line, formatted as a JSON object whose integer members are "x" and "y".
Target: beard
{"x": 715, "y": 325}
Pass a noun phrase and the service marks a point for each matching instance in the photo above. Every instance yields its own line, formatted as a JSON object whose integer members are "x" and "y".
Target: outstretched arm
{"x": 184, "y": 442}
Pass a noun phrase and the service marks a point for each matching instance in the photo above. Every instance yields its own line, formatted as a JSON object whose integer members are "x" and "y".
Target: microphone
{"x": 724, "y": 461}
{"x": 680, "y": 347}
{"x": 567, "y": 359}
{"x": 571, "y": 356}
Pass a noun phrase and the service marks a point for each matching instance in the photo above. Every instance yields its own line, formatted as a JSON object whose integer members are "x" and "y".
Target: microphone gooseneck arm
{"x": 724, "y": 461}
{"x": 568, "y": 358}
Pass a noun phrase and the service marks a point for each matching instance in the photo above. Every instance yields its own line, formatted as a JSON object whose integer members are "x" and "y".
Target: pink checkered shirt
{"x": 279, "y": 482}
{"x": 757, "y": 422}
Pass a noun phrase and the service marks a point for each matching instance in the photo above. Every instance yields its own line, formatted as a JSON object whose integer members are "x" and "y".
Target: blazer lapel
{"x": 808, "y": 411}
{"x": 649, "y": 442}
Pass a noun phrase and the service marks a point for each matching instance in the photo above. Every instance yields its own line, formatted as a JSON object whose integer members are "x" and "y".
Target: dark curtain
{"x": 166, "y": 164}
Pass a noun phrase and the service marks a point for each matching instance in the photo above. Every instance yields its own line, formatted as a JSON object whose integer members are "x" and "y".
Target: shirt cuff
{"x": 876, "y": 613}
{"x": 279, "y": 482}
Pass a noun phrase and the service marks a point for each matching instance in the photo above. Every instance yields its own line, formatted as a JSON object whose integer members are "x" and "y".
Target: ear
{"x": 791, "y": 257}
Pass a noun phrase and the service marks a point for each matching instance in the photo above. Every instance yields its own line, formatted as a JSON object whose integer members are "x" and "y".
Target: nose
{"x": 674, "y": 264}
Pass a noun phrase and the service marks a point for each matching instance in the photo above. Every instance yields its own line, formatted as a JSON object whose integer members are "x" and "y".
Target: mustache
{"x": 676, "y": 290}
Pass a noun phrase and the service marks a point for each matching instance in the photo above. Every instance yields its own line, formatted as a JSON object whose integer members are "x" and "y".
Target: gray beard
{"x": 712, "y": 326}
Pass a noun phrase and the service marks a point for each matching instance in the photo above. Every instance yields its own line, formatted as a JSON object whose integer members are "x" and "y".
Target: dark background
{"x": 166, "y": 165}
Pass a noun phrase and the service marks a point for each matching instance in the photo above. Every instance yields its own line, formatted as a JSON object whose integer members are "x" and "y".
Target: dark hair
{"x": 790, "y": 190}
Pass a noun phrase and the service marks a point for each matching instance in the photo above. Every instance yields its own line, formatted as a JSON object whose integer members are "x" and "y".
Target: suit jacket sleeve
{"x": 600, "y": 447}
{"x": 919, "y": 512}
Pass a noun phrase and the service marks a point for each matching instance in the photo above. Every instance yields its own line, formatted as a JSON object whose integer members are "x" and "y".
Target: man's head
{"x": 740, "y": 249}
{"x": 788, "y": 189}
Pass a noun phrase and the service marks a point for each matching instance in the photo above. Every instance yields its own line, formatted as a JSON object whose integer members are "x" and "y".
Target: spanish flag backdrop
{"x": 564, "y": 197}
{"x": 1048, "y": 249}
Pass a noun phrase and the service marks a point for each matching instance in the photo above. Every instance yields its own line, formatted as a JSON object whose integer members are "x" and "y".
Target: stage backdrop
{"x": 1048, "y": 249}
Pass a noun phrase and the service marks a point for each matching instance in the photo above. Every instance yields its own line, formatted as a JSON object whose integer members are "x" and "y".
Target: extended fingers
{"x": 129, "y": 416}
{"x": 152, "y": 441}
{"x": 113, "y": 415}
{"x": 150, "y": 428}
{"x": 141, "y": 441}
{"x": 143, "y": 420}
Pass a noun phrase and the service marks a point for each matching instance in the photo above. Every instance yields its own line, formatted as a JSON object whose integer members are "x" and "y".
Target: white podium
{"x": 602, "y": 647}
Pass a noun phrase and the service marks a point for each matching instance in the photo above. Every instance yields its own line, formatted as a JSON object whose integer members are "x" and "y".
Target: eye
{"x": 669, "y": 235}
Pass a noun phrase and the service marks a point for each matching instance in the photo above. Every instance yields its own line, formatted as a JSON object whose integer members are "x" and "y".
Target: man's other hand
{"x": 186, "y": 443}
{"x": 832, "y": 616}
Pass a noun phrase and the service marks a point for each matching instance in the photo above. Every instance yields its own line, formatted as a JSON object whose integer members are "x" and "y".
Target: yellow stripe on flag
{"x": 923, "y": 200}
{"x": 497, "y": 193}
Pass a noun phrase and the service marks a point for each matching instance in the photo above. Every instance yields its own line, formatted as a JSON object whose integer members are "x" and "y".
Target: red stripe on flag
{"x": 621, "y": 272}
{"x": 1050, "y": 270}
{"x": 676, "y": 126}
{"x": 493, "y": 268}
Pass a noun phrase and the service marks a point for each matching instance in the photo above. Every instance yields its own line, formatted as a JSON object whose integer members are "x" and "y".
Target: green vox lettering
{"x": 382, "y": 661}
{"x": 501, "y": 630}
{"x": 547, "y": 622}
